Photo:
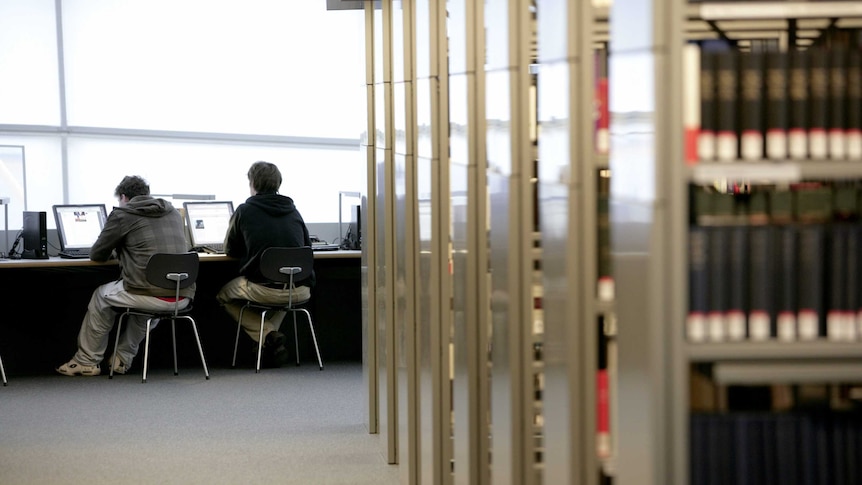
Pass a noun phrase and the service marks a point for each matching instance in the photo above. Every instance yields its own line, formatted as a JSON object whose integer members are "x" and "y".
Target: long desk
{"x": 50, "y": 296}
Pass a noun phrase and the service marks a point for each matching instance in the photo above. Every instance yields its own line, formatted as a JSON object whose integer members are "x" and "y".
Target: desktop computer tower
{"x": 35, "y": 236}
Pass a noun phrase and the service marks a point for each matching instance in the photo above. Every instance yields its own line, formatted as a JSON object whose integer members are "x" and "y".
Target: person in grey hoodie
{"x": 140, "y": 227}
{"x": 266, "y": 219}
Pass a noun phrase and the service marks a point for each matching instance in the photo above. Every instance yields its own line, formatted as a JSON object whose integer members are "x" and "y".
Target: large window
{"x": 186, "y": 93}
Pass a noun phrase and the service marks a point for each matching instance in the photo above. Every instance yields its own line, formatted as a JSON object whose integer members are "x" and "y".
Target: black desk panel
{"x": 50, "y": 298}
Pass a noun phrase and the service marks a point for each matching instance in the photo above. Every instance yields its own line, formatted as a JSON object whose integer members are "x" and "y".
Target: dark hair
{"x": 264, "y": 177}
{"x": 132, "y": 186}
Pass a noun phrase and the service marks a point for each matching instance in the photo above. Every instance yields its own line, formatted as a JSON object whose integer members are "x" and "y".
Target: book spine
{"x": 718, "y": 283}
{"x": 605, "y": 285}
{"x": 854, "y": 104}
{"x": 776, "y": 105}
{"x": 691, "y": 64}
{"x": 837, "y": 100}
{"x": 797, "y": 133}
{"x": 854, "y": 239}
{"x": 836, "y": 287}
{"x": 698, "y": 275}
{"x": 602, "y": 140}
{"x": 737, "y": 328}
{"x": 726, "y": 87}
{"x": 761, "y": 314}
{"x": 786, "y": 274}
{"x": 810, "y": 283}
{"x": 603, "y": 433}
{"x": 751, "y": 105}
{"x": 818, "y": 146}
{"x": 706, "y": 136}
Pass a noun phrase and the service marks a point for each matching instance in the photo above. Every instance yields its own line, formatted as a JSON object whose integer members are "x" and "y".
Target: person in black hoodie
{"x": 266, "y": 219}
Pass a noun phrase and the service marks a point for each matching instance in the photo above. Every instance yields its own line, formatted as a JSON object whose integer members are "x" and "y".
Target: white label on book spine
{"x": 837, "y": 144}
{"x": 786, "y": 327}
{"x": 808, "y": 325}
{"x": 849, "y": 320}
{"x": 752, "y": 146}
{"x": 605, "y": 289}
{"x": 797, "y": 145}
{"x": 776, "y": 145}
{"x": 736, "y": 326}
{"x": 695, "y": 327}
{"x": 854, "y": 146}
{"x": 818, "y": 144}
{"x": 727, "y": 146}
{"x": 706, "y": 145}
{"x": 758, "y": 326}
{"x": 717, "y": 327}
{"x": 835, "y": 326}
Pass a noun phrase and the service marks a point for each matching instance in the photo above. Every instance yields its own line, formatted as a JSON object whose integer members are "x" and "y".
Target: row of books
{"x": 776, "y": 448}
{"x": 775, "y": 264}
{"x": 802, "y": 104}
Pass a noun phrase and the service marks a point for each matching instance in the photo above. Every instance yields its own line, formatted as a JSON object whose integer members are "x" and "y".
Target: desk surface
{"x": 57, "y": 262}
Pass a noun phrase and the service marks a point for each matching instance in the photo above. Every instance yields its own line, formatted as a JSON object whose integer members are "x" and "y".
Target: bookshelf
{"x": 658, "y": 172}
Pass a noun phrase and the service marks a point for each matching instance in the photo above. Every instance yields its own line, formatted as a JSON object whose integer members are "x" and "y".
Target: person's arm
{"x": 108, "y": 239}
{"x": 234, "y": 244}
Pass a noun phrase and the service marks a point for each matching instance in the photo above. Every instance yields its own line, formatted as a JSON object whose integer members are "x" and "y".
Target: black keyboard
{"x": 75, "y": 254}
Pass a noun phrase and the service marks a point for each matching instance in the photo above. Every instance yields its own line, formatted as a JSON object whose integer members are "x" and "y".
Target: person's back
{"x": 266, "y": 219}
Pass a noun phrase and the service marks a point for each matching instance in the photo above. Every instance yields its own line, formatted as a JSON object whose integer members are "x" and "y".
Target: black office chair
{"x": 3, "y": 373}
{"x": 281, "y": 266}
{"x": 169, "y": 271}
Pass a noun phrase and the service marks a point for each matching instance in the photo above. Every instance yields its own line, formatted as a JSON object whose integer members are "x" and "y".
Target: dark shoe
{"x": 274, "y": 351}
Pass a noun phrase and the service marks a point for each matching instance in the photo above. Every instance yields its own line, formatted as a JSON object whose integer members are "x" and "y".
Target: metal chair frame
{"x": 169, "y": 271}
{"x": 281, "y": 266}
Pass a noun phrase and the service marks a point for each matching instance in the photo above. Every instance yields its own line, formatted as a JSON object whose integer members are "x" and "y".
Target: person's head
{"x": 131, "y": 186}
{"x": 263, "y": 178}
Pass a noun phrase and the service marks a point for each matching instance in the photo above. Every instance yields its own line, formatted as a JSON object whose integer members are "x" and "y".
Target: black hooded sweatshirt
{"x": 264, "y": 221}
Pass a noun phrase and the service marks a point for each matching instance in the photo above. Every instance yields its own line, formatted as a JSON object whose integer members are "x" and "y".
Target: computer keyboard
{"x": 75, "y": 254}
{"x": 325, "y": 247}
{"x": 215, "y": 248}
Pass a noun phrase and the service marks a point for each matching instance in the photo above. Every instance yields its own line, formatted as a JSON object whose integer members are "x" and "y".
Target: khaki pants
{"x": 240, "y": 288}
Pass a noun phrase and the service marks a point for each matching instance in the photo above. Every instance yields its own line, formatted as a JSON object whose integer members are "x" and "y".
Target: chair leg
{"x": 200, "y": 348}
{"x": 3, "y": 373}
{"x": 236, "y": 342}
{"x": 313, "y": 336}
{"x": 146, "y": 351}
{"x": 174, "y": 340}
{"x": 260, "y": 341}
{"x": 295, "y": 336}
{"x": 116, "y": 343}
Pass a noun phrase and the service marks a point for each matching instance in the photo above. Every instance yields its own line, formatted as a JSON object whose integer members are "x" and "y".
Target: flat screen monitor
{"x": 207, "y": 222}
{"x": 353, "y": 239}
{"x": 79, "y": 225}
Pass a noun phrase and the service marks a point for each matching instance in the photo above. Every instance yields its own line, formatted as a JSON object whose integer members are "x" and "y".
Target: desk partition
{"x": 52, "y": 297}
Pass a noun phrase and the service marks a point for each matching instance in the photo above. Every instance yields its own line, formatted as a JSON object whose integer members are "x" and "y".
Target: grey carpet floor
{"x": 283, "y": 426}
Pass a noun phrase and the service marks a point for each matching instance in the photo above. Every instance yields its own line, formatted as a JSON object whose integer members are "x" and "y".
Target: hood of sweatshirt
{"x": 273, "y": 204}
{"x": 147, "y": 206}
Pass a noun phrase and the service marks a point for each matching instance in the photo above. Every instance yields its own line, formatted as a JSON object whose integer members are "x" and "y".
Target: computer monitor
{"x": 207, "y": 222}
{"x": 79, "y": 225}
{"x": 353, "y": 239}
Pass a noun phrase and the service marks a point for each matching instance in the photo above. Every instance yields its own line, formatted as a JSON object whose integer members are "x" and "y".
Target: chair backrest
{"x": 274, "y": 261}
{"x": 162, "y": 269}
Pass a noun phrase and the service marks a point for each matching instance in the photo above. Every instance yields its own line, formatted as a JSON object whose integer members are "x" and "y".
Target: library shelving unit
{"x": 684, "y": 344}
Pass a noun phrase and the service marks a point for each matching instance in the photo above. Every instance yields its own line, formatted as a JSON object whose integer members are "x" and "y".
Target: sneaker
{"x": 75, "y": 368}
{"x": 274, "y": 351}
{"x": 118, "y": 366}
